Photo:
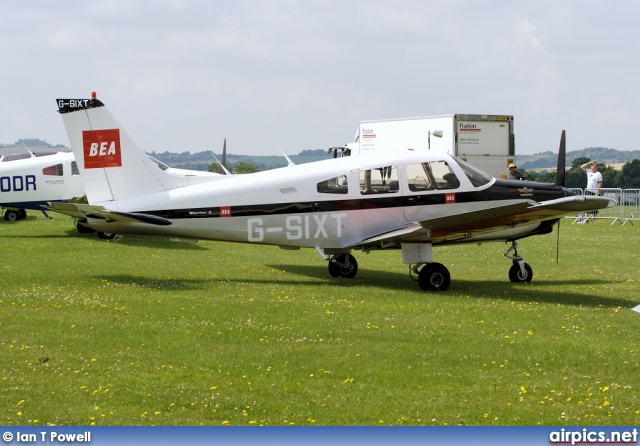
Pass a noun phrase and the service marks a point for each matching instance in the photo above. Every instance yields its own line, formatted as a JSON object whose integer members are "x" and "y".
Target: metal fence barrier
{"x": 627, "y": 208}
{"x": 631, "y": 205}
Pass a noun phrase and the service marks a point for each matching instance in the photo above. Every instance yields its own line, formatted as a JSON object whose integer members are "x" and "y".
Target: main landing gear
{"x": 83, "y": 227}
{"x": 431, "y": 276}
{"x": 343, "y": 265}
{"x": 15, "y": 214}
{"x": 519, "y": 271}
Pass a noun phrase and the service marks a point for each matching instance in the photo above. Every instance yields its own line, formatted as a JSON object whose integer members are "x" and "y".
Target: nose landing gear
{"x": 520, "y": 271}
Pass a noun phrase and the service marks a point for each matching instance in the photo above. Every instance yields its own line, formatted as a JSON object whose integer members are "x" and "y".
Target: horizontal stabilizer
{"x": 70, "y": 209}
{"x": 80, "y": 210}
{"x": 144, "y": 218}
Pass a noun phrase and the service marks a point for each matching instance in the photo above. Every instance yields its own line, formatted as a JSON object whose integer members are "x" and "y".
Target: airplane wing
{"x": 468, "y": 224}
{"x": 81, "y": 210}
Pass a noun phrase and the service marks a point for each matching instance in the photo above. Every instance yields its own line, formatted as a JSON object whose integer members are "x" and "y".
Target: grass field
{"x": 157, "y": 332}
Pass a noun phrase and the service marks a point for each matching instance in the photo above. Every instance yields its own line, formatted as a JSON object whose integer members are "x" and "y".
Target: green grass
{"x": 157, "y": 332}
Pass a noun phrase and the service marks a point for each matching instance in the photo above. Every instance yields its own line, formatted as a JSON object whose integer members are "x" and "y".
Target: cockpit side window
{"x": 336, "y": 185}
{"x": 55, "y": 170}
{"x": 434, "y": 175}
{"x": 383, "y": 180}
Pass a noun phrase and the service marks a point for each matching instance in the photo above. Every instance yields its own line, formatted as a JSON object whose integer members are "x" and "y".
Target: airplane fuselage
{"x": 289, "y": 206}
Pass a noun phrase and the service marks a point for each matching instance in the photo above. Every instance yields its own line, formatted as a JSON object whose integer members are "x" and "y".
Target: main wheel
{"x": 516, "y": 275}
{"x": 22, "y": 213}
{"x": 434, "y": 277}
{"x": 83, "y": 228}
{"x": 343, "y": 265}
{"x": 12, "y": 215}
{"x": 106, "y": 235}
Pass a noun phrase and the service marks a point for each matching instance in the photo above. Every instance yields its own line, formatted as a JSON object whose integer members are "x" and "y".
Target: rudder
{"x": 112, "y": 165}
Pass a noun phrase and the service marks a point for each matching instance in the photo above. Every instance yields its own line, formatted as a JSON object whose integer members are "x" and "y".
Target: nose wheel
{"x": 520, "y": 271}
{"x": 517, "y": 275}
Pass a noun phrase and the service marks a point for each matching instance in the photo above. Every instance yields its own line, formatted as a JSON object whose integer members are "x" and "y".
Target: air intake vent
{"x": 288, "y": 190}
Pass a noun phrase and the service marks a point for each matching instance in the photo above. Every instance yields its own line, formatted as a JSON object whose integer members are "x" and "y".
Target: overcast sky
{"x": 184, "y": 75}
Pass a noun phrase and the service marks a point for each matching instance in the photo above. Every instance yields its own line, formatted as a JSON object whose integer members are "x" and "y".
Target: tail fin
{"x": 112, "y": 165}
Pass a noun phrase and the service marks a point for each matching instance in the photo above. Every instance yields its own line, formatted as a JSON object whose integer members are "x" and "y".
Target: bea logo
{"x": 101, "y": 149}
{"x": 450, "y": 198}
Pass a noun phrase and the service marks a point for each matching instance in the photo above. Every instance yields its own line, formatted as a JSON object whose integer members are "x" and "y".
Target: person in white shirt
{"x": 594, "y": 183}
{"x": 594, "y": 178}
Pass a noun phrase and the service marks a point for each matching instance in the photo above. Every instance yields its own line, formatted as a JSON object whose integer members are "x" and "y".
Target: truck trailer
{"x": 486, "y": 141}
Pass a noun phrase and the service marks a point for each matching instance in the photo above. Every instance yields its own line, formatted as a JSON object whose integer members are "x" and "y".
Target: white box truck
{"x": 486, "y": 141}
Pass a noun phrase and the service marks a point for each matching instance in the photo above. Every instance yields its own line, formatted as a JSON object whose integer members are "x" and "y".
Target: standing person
{"x": 594, "y": 178}
{"x": 514, "y": 174}
{"x": 594, "y": 183}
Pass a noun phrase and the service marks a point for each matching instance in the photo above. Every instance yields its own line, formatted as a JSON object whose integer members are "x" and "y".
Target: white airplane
{"x": 409, "y": 201}
{"x": 31, "y": 183}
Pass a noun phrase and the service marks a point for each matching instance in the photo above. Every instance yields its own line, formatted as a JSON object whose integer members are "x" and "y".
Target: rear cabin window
{"x": 54, "y": 171}
{"x": 435, "y": 175}
{"x": 383, "y": 180}
{"x": 74, "y": 168}
{"x": 336, "y": 185}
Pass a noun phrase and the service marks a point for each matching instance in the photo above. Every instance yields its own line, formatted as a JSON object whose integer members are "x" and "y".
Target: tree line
{"x": 627, "y": 178}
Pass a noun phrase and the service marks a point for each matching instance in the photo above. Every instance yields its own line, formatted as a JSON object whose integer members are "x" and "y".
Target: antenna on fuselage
{"x": 224, "y": 169}
{"x": 289, "y": 162}
{"x": 222, "y": 164}
{"x": 31, "y": 154}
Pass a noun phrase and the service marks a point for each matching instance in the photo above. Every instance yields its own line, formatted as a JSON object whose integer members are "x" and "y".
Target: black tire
{"x": 23, "y": 214}
{"x": 434, "y": 277}
{"x": 516, "y": 276}
{"x": 11, "y": 215}
{"x": 337, "y": 268}
{"x": 106, "y": 235}
{"x": 81, "y": 226}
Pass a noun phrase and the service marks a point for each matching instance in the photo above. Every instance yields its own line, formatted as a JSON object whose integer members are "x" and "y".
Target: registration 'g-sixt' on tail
{"x": 112, "y": 165}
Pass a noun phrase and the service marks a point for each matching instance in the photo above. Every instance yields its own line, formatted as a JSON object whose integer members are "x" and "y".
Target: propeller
{"x": 560, "y": 177}
{"x": 562, "y": 160}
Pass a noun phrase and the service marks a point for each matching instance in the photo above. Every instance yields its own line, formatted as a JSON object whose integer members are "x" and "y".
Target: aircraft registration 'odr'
{"x": 33, "y": 182}
{"x": 408, "y": 201}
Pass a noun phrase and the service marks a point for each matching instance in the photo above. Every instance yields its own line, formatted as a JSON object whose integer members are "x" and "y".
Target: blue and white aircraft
{"x": 408, "y": 201}
{"x": 31, "y": 183}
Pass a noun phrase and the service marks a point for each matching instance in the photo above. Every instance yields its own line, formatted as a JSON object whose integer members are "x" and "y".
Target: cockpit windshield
{"x": 477, "y": 177}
